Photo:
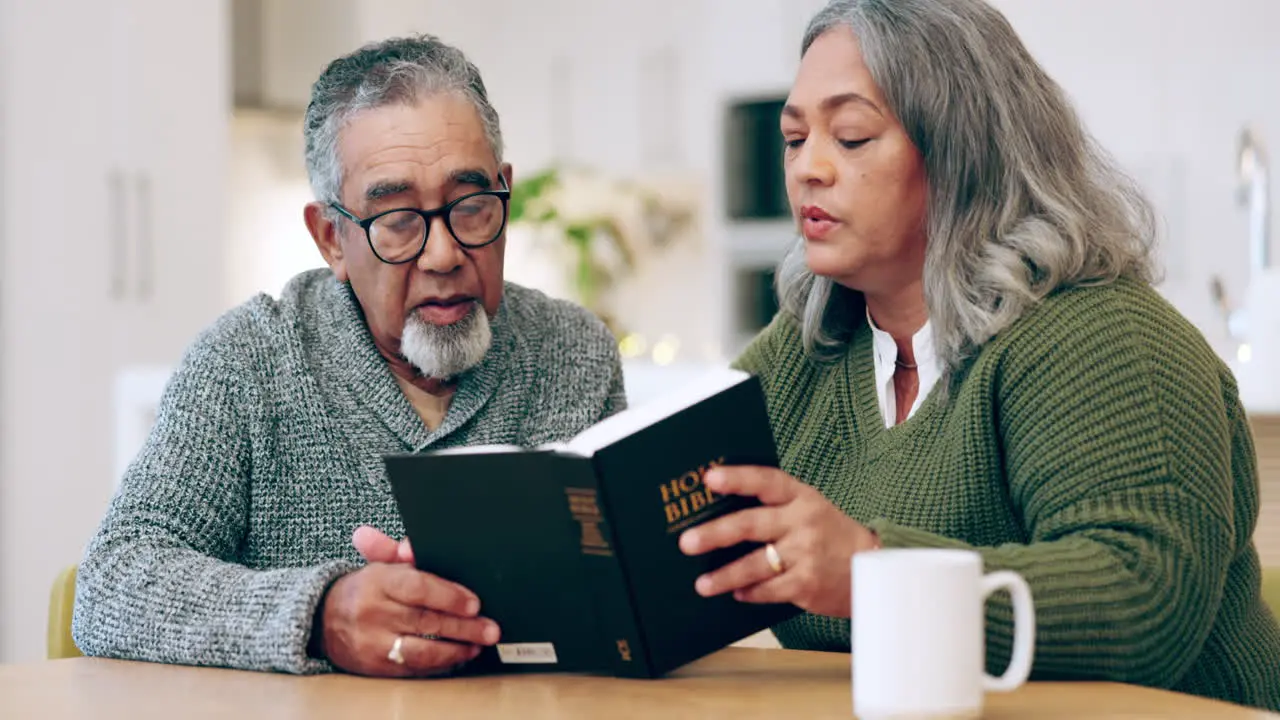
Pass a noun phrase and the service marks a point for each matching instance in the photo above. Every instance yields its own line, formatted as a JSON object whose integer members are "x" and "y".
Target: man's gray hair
{"x": 1021, "y": 200}
{"x": 395, "y": 71}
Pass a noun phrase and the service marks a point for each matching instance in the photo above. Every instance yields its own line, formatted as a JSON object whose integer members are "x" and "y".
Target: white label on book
{"x": 513, "y": 653}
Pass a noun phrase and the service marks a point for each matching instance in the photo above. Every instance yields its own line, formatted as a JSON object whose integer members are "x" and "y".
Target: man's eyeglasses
{"x": 400, "y": 235}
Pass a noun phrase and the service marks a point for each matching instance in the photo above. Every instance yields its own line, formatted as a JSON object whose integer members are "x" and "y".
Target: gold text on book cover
{"x": 686, "y": 498}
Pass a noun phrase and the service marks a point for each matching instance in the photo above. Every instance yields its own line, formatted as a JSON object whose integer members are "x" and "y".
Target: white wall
{"x": 270, "y": 242}
{"x": 1167, "y": 85}
{"x": 617, "y": 87}
{"x": 570, "y": 92}
{"x": 639, "y": 88}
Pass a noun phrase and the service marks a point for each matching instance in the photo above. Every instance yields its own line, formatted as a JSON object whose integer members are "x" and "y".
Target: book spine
{"x": 603, "y": 570}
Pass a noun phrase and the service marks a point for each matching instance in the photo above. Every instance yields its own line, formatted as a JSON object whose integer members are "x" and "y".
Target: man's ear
{"x": 506, "y": 173}
{"x": 325, "y": 234}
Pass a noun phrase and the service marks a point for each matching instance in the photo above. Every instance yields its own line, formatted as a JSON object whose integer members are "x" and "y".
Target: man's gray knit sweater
{"x": 266, "y": 454}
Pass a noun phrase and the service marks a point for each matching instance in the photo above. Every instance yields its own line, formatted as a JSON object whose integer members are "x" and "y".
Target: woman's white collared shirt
{"x": 886, "y": 352}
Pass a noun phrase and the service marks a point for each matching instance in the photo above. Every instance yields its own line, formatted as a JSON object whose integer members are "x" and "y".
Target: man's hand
{"x": 376, "y": 547}
{"x": 390, "y": 599}
{"x": 364, "y": 612}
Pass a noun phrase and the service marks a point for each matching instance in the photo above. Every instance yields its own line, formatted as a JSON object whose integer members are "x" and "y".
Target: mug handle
{"x": 1024, "y": 630}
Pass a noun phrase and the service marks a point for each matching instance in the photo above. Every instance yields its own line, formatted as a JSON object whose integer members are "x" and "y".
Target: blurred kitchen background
{"x": 153, "y": 178}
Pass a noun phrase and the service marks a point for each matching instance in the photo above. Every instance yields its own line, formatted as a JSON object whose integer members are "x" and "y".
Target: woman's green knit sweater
{"x": 1098, "y": 447}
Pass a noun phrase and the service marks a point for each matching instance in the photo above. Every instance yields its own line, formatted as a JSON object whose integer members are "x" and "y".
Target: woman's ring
{"x": 395, "y": 656}
{"x": 773, "y": 558}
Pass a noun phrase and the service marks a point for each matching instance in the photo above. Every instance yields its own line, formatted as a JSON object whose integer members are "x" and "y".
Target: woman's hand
{"x": 813, "y": 540}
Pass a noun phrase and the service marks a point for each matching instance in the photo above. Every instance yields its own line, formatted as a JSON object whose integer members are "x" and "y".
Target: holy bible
{"x": 573, "y": 548}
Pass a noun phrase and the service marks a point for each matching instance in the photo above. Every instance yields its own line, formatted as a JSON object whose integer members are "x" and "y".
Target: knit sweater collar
{"x": 367, "y": 374}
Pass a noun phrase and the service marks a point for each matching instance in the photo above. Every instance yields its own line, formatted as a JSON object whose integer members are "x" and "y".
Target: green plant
{"x": 534, "y": 202}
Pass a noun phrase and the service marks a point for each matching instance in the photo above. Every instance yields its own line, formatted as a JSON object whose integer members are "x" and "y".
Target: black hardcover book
{"x": 573, "y": 549}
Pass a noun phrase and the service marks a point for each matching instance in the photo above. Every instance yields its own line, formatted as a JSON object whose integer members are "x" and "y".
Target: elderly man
{"x": 230, "y": 540}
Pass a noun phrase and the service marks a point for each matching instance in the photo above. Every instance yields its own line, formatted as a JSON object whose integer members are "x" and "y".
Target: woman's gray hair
{"x": 1021, "y": 200}
{"x": 396, "y": 71}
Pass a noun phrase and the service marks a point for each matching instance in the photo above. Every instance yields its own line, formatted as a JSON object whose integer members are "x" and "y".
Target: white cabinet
{"x": 113, "y": 139}
{"x": 171, "y": 151}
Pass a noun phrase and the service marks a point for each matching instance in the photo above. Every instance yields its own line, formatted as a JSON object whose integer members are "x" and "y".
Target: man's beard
{"x": 445, "y": 351}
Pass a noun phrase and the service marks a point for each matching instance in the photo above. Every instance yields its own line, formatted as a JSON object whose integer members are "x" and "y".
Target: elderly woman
{"x": 970, "y": 355}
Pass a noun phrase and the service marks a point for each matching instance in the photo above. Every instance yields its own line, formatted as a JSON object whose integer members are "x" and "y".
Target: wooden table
{"x": 738, "y": 683}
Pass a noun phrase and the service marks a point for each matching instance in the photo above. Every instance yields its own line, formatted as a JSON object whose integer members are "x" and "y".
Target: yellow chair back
{"x": 1271, "y": 588}
{"x": 62, "y": 601}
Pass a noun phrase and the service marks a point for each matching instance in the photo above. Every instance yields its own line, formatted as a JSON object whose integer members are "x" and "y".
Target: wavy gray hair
{"x": 398, "y": 70}
{"x": 1021, "y": 200}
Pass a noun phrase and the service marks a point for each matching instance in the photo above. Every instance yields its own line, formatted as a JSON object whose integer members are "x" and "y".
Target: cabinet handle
{"x": 146, "y": 283}
{"x": 117, "y": 231}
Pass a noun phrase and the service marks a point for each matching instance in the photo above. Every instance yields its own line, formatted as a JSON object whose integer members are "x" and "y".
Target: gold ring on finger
{"x": 395, "y": 655}
{"x": 772, "y": 557}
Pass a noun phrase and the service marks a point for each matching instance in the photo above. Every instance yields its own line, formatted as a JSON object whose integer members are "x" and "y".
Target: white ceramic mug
{"x": 919, "y": 634}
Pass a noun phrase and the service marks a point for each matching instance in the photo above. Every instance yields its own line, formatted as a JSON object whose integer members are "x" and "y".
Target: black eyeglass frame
{"x": 428, "y": 216}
